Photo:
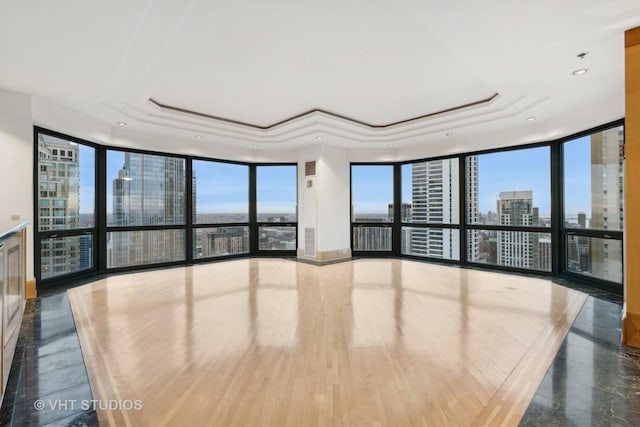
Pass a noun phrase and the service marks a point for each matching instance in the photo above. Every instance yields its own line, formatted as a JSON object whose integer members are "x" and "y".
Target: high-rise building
{"x": 432, "y": 201}
{"x": 473, "y": 208}
{"x": 579, "y": 249}
{"x": 515, "y": 248}
{"x": 59, "y": 205}
{"x": 607, "y": 200}
{"x": 223, "y": 241}
{"x": 543, "y": 252}
{"x": 405, "y": 212}
{"x": 582, "y": 220}
{"x": 372, "y": 238}
{"x": 149, "y": 190}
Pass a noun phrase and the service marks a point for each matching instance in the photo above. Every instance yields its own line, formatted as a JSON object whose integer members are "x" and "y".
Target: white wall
{"x": 16, "y": 163}
{"x": 334, "y": 199}
{"x": 307, "y": 197}
{"x": 326, "y": 205}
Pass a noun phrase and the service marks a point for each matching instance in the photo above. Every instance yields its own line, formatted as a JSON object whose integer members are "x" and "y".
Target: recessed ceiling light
{"x": 390, "y": 145}
{"x": 198, "y": 136}
{"x": 122, "y": 124}
{"x": 580, "y": 71}
{"x": 318, "y": 138}
{"x": 256, "y": 146}
{"x": 531, "y": 119}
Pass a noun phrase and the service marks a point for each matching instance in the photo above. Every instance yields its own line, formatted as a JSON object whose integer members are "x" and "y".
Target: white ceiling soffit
{"x": 364, "y": 61}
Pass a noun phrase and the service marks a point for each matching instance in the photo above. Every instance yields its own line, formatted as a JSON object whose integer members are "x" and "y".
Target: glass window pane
{"x": 372, "y": 193}
{"x": 220, "y": 192}
{"x": 128, "y": 248}
{"x": 73, "y": 193}
{"x": 220, "y": 241}
{"x": 430, "y": 192}
{"x": 371, "y": 238}
{"x": 145, "y": 189}
{"x": 517, "y": 249}
{"x": 276, "y": 193}
{"x": 592, "y": 256}
{"x": 439, "y": 243}
{"x": 69, "y": 255}
{"x": 277, "y": 238}
{"x": 593, "y": 181}
{"x": 511, "y": 188}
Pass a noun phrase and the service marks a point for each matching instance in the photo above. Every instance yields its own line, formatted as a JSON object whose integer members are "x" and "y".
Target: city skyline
{"x": 494, "y": 169}
{"x": 369, "y": 182}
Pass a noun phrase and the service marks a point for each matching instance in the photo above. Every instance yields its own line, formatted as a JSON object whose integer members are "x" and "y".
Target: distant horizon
{"x": 524, "y": 170}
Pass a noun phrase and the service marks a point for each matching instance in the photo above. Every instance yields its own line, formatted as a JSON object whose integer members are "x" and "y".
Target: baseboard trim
{"x": 30, "y": 291}
{"x": 325, "y": 257}
{"x": 631, "y": 330}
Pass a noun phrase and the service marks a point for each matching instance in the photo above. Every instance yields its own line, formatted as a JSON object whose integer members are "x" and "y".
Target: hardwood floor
{"x": 278, "y": 343}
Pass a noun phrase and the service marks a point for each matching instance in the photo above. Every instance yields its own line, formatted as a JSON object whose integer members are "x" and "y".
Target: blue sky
{"x": 223, "y": 187}
{"x": 518, "y": 170}
{"x": 372, "y": 188}
{"x": 577, "y": 177}
{"x": 276, "y": 189}
{"x": 527, "y": 169}
{"x": 87, "y": 178}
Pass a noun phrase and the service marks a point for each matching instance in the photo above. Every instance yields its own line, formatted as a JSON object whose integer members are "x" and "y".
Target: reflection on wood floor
{"x": 278, "y": 343}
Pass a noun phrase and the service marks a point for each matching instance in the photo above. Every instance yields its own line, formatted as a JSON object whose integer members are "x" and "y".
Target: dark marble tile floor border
{"x": 48, "y": 383}
{"x": 594, "y": 380}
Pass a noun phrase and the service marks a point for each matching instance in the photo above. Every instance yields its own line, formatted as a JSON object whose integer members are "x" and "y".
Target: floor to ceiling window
{"x": 508, "y": 208}
{"x": 372, "y": 208}
{"x": 65, "y": 205}
{"x": 101, "y": 209}
{"x": 277, "y": 208}
{"x": 146, "y": 209}
{"x": 220, "y": 209}
{"x": 430, "y": 209}
{"x": 593, "y": 205}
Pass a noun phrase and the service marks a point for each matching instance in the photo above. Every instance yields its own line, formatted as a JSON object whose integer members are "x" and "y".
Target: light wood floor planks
{"x": 271, "y": 342}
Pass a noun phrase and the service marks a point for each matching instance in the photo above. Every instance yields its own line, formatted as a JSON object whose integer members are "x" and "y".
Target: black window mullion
{"x": 189, "y": 211}
{"x": 462, "y": 197}
{"x": 101, "y": 206}
{"x": 396, "y": 234}
{"x": 253, "y": 213}
{"x": 588, "y": 232}
{"x": 219, "y": 224}
{"x": 558, "y": 252}
{"x": 508, "y": 228}
{"x": 42, "y": 235}
{"x": 37, "y": 261}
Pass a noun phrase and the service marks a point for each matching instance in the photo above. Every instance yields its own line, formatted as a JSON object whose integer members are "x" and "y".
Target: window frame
{"x": 192, "y": 225}
{"x": 553, "y": 180}
{"x": 42, "y": 235}
{"x": 101, "y": 228}
{"x": 253, "y": 216}
{"x": 395, "y": 242}
{"x": 559, "y": 233}
{"x": 564, "y": 232}
{"x": 437, "y": 225}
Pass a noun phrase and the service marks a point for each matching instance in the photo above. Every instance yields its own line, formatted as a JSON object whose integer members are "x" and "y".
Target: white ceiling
{"x": 374, "y": 61}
